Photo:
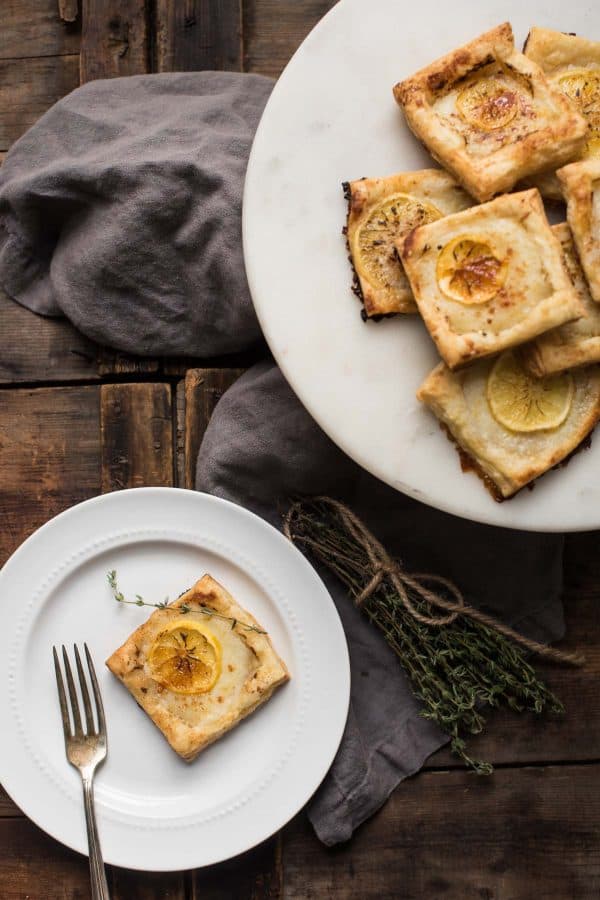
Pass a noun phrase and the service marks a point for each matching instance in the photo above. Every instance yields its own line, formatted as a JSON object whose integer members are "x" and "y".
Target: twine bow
{"x": 385, "y": 567}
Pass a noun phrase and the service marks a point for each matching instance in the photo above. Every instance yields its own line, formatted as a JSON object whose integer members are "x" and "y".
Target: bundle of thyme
{"x": 456, "y": 670}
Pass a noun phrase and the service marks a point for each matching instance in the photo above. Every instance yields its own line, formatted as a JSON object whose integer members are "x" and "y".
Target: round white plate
{"x": 155, "y": 811}
{"x": 332, "y": 118}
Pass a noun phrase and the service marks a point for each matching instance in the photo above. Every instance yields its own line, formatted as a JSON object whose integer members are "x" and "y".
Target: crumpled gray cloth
{"x": 121, "y": 208}
{"x": 261, "y": 448}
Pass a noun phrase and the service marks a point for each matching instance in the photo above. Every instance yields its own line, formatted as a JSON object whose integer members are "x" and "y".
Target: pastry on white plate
{"x": 510, "y": 426}
{"x": 572, "y": 64}
{"x": 198, "y": 667}
{"x": 382, "y": 210}
{"x": 580, "y": 183}
{"x": 490, "y": 116}
{"x": 489, "y": 277}
{"x": 576, "y": 343}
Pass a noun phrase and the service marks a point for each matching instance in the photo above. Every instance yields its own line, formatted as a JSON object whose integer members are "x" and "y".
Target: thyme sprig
{"x": 456, "y": 670}
{"x": 183, "y": 609}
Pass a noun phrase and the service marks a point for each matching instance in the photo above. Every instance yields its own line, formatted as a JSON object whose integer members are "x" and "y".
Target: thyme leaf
{"x": 183, "y": 609}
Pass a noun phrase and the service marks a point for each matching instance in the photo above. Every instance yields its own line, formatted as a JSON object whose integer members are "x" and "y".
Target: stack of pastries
{"x": 511, "y": 302}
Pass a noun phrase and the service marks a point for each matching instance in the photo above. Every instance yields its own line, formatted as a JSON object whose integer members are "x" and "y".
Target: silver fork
{"x": 86, "y": 749}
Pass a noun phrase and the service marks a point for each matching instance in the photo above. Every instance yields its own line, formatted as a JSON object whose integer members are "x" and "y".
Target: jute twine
{"x": 385, "y": 567}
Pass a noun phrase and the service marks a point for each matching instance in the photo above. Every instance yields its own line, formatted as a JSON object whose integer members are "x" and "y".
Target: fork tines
{"x": 77, "y": 729}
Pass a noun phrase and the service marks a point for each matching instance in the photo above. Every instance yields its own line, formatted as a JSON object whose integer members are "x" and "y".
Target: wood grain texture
{"x": 49, "y": 457}
{"x": 113, "y": 362}
{"x": 128, "y": 885}
{"x": 68, "y": 10}
{"x": 524, "y": 833}
{"x": 36, "y": 348}
{"x": 256, "y": 875}
{"x": 273, "y": 30}
{"x": 35, "y": 28}
{"x": 8, "y": 809}
{"x": 35, "y": 867}
{"x": 114, "y": 38}
{"x": 192, "y": 35}
{"x": 136, "y": 435}
{"x": 197, "y": 397}
{"x": 28, "y": 87}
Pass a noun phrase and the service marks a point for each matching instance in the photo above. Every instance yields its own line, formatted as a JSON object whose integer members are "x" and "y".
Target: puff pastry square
{"x": 381, "y": 210}
{"x": 250, "y": 671}
{"x": 489, "y": 277}
{"x": 490, "y": 116}
{"x": 576, "y": 343}
{"x": 580, "y": 183}
{"x": 507, "y": 460}
{"x": 571, "y": 64}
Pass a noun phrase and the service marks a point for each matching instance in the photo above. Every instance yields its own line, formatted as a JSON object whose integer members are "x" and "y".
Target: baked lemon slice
{"x": 469, "y": 270}
{"x": 582, "y": 86}
{"x": 487, "y": 104}
{"x": 186, "y": 657}
{"x": 520, "y": 402}
{"x": 375, "y": 251}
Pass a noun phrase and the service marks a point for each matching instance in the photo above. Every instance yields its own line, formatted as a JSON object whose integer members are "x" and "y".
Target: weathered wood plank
{"x": 137, "y": 436}
{"x": 524, "y": 833}
{"x": 35, "y": 28}
{"x": 68, "y": 10}
{"x": 32, "y": 865}
{"x": 28, "y": 87}
{"x": 273, "y": 30}
{"x": 114, "y": 38}
{"x": 196, "y": 399}
{"x": 7, "y": 807}
{"x": 49, "y": 456}
{"x": 198, "y": 34}
{"x": 36, "y": 348}
{"x": 128, "y": 885}
{"x": 113, "y": 362}
{"x": 257, "y": 875}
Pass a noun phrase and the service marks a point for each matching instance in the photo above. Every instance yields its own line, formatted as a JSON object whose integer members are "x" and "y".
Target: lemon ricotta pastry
{"x": 195, "y": 674}
{"x": 383, "y": 210}
{"x": 571, "y": 64}
{"x": 511, "y": 426}
{"x": 490, "y": 116}
{"x": 580, "y": 183}
{"x": 489, "y": 277}
{"x": 576, "y": 343}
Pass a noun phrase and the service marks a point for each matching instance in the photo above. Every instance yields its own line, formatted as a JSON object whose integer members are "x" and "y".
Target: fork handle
{"x": 97, "y": 873}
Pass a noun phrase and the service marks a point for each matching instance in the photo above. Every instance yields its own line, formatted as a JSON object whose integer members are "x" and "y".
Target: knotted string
{"x": 383, "y": 567}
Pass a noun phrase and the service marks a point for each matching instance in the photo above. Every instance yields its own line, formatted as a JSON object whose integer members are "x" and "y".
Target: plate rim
{"x": 14, "y": 786}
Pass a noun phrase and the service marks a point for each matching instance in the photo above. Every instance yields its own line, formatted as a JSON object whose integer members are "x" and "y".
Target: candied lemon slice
{"x": 375, "y": 251}
{"x": 186, "y": 657}
{"x": 488, "y": 104}
{"x": 523, "y": 403}
{"x": 469, "y": 270}
{"x": 582, "y": 86}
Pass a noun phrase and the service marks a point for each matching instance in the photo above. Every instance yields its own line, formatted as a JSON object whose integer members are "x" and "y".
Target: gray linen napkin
{"x": 261, "y": 447}
{"x": 121, "y": 209}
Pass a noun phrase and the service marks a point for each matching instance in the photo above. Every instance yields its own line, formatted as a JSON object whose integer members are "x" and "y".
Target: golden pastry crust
{"x": 423, "y": 195}
{"x": 580, "y": 183}
{"x": 520, "y": 125}
{"x": 191, "y": 723}
{"x": 576, "y": 343}
{"x": 534, "y": 291}
{"x": 564, "y": 59}
{"x": 509, "y": 459}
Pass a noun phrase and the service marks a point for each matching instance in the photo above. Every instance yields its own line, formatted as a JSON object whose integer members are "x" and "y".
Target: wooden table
{"x": 76, "y": 419}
